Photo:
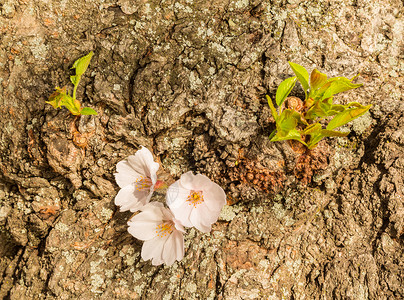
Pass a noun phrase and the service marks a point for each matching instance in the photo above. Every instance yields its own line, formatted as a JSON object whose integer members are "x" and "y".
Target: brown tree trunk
{"x": 188, "y": 79}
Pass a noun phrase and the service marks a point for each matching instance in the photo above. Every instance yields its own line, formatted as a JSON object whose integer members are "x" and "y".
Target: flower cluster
{"x": 193, "y": 201}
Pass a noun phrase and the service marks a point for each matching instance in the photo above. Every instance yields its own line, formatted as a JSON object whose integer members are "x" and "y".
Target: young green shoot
{"x": 304, "y": 125}
{"x": 62, "y": 97}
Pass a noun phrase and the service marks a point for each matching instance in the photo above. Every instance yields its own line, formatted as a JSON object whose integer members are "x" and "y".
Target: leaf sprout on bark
{"x": 300, "y": 120}
{"x": 62, "y": 97}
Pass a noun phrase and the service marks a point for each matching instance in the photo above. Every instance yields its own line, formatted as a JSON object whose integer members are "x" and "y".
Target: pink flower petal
{"x": 176, "y": 197}
{"x": 135, "y": 167}
{"x": 130, "y": 199}
{"x": 178, "y": 225}
{"x": 169, "y": 254}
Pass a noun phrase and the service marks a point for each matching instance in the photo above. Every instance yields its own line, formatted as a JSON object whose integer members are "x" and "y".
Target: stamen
{"x": 143, "y": 184}
{"x": 165, "y": 229}
{"x": 195, "y": 198}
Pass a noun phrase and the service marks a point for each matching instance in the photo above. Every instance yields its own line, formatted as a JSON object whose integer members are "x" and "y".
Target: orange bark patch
{"x": 48, "y": 22}
{"x": 311, "y": 162}
{"x": 48, "y": 212}
{"x": 211, "y": 283}
{"x": 243, "y": 255}
{"x": 253, "y": 173}
{"x": 14, "y": 51}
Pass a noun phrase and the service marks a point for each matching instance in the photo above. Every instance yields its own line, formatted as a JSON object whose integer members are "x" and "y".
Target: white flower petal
{"x": 161, "y": 213}
{"x": 155, "y": 206}
{"x": 203, "y": 214}
{"x": 156, "y": 225}
{"x": 135, "y": 167}
{"x": 199, "y": 221}
{"x": 126, "y": 175}
{"x": 173, "y": 248}
{"x": 130, "y": 199}
{"x": 169, "y": 253}
{"x": 178, "y": 225}
{"x": 179, "y": 245}
{"x": 149, "y": 215}
{"x": 182, "y": 213}
{"x": 214, "y": 197}
{"x": 209, "y": 217}
{"x": 157, "y": 261}
{"x": 176, "y": 198}
{"x": 143, "y": 163}
{"x": 194, "y": 182}
{"x": 176, "y": 195}
{"x": 143, "y": 226}
{"x": 149, "y": 195}
{"x": 153, "y": 249}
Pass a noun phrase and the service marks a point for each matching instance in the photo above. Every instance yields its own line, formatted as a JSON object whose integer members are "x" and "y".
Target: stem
{"x": 75, "y": 88}
{"x": 272, "y": 107}
{"x": 272, "y": 134}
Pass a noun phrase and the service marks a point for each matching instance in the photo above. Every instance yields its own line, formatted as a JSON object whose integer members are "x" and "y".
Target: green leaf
{"x": 288, "y": 120}
{"x": 272, "y": 107}
{"x": 335, "y": 109}
{"x": 82, "y": 63}
{"x": 75, "y": 79}
{"x": 284, "y": 89}
{"x": 288, "y": 123}
{"x": 348, "y": 115}
{"x": 56, "y": 98}
{"x": 317, "y": 133}
{"x": 301, "y": 74}
{"x": 293, "y": 134}
{"x": 61, "y": 98}
{"x": 88, "y": 111}
{"x": 72, "y": 105}
{"x": 286, "y": 127}
{"x": 315, "y": 137}
{"x": 318, "y": 105}
{"x": 338, "y": 85}
{"x": 317, "y": 79}
{"x": 316, "y": 110}
{"x": 312, "y": 128}
{"x": 329, "y": 133}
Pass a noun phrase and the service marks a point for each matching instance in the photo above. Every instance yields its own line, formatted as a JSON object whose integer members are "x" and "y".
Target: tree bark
{"x": 187, "y": 79}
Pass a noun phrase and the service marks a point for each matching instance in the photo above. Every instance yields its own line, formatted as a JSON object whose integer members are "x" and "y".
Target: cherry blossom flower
{"x": 136, "y": 176}
{"x": 162, "y": 233}
{"x": 196, "y": 201}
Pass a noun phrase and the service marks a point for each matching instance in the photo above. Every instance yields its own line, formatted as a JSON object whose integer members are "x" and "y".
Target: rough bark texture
{"x": 188, "y": 79}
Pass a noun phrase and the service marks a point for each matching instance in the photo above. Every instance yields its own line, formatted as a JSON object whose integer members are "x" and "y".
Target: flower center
{"x": 165, "y": 229}
{"x": 143, "y": 184}
{"x": 195, "y": 198}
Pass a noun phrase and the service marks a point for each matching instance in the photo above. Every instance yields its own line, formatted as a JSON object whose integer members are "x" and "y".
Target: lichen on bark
{"x": 188, "y": 80}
